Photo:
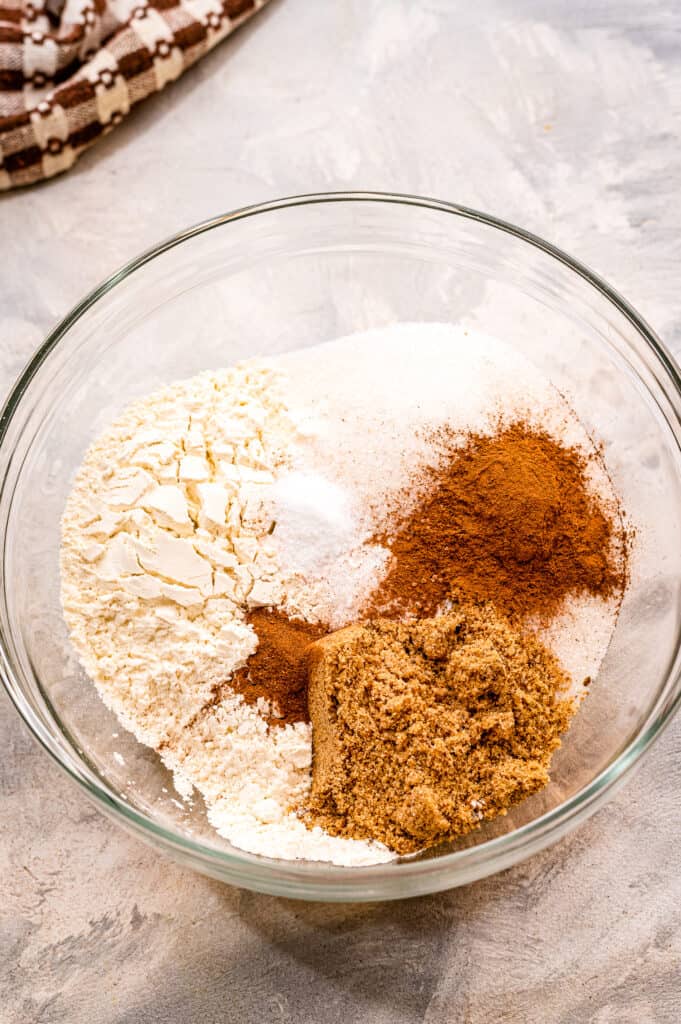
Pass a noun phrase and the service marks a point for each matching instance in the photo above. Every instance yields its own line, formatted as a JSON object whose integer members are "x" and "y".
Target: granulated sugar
{"x": 579, "y": 636}
{"x": 315, "y": 523}
{"x": 262, "y": 486}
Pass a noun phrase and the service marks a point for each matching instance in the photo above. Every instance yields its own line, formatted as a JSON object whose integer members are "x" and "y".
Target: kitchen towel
{"x": 71, "y": 70}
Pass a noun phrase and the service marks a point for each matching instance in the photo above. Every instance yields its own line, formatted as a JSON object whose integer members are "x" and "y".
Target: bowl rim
{"x": 321, "y": 880}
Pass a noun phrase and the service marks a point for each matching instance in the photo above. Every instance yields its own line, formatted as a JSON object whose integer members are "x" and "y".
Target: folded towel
{"x": 71, "y": 70}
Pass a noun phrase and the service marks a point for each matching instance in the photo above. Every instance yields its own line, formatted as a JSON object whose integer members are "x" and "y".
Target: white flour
{"x": 161, "y": 550}
{"x": 262, "y": 485}
{"x": 165, "y": 546}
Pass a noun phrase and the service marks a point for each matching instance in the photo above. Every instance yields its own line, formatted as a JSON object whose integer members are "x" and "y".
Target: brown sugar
{"x": 424, "y": 728}
{"x": 508, "y": 518}
{"x": 276, "y": 672}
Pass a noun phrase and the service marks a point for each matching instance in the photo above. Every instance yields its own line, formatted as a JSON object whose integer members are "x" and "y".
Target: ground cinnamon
{"x": 508, "y": 518}
{"x": 276, "y": 672}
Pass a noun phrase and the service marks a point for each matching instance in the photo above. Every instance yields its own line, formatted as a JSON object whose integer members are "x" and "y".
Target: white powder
{"x": 263, "y": 485}
{"x": 328, "y": 566}
{"x": 162, "y": 547}
{"x": 315, "y": 521}
{"x": 165, "y": 546}
{"x": 579, "y": 637}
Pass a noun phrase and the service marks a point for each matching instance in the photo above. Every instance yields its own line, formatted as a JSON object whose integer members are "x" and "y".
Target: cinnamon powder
{"x": 276, "y": 671}
{"x": 507, "y": 518}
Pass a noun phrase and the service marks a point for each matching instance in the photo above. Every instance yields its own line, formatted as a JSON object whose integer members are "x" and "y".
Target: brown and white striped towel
{"x": 71, "y": 70}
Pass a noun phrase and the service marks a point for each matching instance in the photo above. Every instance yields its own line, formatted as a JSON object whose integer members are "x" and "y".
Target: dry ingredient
{"x": 165, "y": 545}
{"x": 508, "y": 517}
{"x": 422, "y": 729}
{"x": 216, "y": 512}
{"x": 276, "y": 673}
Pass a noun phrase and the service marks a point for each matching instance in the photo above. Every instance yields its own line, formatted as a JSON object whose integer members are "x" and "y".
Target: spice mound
{"x": 422, "y": 729}
{"x": 508, "y": 517}
{"x": 276, "y": 673}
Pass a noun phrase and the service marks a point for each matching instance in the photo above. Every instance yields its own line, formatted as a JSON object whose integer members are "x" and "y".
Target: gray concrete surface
{"x": 563, "y": 117}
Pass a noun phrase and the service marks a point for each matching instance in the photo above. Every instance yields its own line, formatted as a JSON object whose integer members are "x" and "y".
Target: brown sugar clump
{"x": 422, "y": 729}
{"x": 508, "y": 518}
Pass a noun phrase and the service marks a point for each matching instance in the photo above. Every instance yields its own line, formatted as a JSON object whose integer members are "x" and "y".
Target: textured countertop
{"x": 563, "y": 117}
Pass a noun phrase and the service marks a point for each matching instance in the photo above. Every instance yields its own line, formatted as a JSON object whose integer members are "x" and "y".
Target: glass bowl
{"x": 289, "y": 274}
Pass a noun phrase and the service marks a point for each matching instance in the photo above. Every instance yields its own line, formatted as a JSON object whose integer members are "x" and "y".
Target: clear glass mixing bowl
{"x": 289, "y": 274}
